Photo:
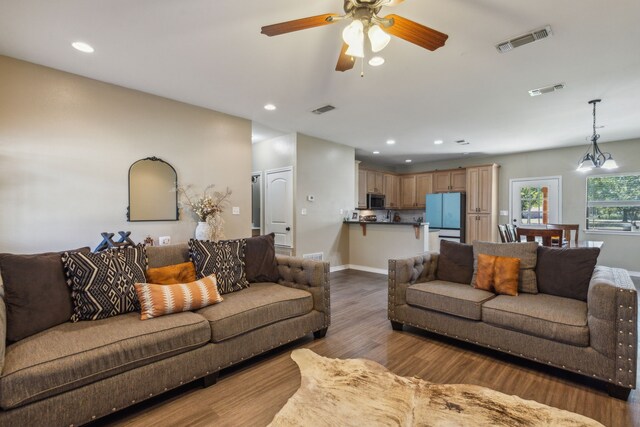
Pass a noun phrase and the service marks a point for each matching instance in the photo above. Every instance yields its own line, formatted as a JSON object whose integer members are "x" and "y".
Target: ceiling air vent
{"x": 530, "y": 37}
{"x": 462, "y": 142}
{"x": 546, "y": 89}
{"x": 324, "y": 109}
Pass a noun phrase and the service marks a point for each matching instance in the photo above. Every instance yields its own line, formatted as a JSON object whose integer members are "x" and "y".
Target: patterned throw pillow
{"x": 172, "y": 274}
{"x": 225, "y": 259}
{"x": 102, "y": 283}
{"x": 159, "y": 300}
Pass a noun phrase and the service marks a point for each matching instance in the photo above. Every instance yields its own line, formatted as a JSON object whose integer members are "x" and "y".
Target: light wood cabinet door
{"x": 441, "y": 182}
{"x": 458, "y": 180}
{"x": 408, "y": 191}
{"x": 391, "y": 190}
{"x": 472, "y": 190}
{"x": 479, "y": 228}
{"x": 362, "y": 188}
{"x": 424, "y": 186}
{"x": 375, "y": 182}
{"x": 485, "y": 180}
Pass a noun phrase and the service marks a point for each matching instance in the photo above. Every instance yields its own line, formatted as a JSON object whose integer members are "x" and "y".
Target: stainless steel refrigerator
{"x": 446, "y": 211}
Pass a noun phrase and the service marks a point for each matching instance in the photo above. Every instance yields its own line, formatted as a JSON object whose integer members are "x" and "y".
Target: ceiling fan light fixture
{"x": 376, "y": 61}
{"x": 353, "y": 35}
{"x": 378, "y": 38}
{"x": 609, "y": 163}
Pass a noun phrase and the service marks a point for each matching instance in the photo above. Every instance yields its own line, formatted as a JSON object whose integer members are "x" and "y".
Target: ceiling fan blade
{"x": 345, "y": 62}
{"x": 415, "y": 33}
{"x": 298, "y": 24}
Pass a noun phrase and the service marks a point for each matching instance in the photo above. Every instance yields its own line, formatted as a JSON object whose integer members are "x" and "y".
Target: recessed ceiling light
{"x": 82, "y": 47}
{"x": 408, "y": 161}
{"x": 269, "y": 107}
{"x": 391, "y": 141}
{"x": 376, "y": 61}
{"x": 438, "y": 141}
{"x": 376, "y": 152}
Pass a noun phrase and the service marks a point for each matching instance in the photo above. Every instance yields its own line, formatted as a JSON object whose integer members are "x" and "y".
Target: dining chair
{"x": 548, "y": 236}
{"x": 502, "y": 230}
{"x": 568, "y": 228}
{"x": 512, "y": 235}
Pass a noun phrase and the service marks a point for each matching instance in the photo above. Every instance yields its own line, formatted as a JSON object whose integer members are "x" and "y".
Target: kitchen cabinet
{"x": 414, "y": 189}
{"x": 391, "y": 190}
{"x": 450, "y": 181}
{"x": 375, "y": 182}
{"x": 362, "y": 188}
{"x": 479, "y": 228}
{"x": 482, "y": 203}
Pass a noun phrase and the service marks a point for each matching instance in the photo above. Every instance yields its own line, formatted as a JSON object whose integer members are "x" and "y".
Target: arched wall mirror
{"x": 153, "y": 191}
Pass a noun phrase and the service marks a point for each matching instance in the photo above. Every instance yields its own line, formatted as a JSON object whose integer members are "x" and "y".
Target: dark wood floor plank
{"x": 252, "y": 393}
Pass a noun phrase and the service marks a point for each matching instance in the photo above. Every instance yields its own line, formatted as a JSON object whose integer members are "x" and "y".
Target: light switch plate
{"x": 303, "y": 211}
{"x": 504, "y": 213}
{"x": 235, "y": 210}
{"x": 164, "y": 240}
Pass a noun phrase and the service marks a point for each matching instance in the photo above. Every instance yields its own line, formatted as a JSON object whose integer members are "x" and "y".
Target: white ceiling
{"x": 211, "y": 53}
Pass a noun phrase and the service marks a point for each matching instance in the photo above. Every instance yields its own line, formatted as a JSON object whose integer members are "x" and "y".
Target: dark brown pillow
{"x": 455, "y": 263}
{"x": 566, "y": 272}
{"x": 36, "y": 293}
{"x": 260, "y": 257}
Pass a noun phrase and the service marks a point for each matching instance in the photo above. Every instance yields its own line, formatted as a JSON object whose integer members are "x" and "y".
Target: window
{"x": 536, "y": 201}
{"x": 613, "y": 203}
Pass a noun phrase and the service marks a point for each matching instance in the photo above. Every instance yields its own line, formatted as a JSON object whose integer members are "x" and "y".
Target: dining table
{"x": 566, "y": 243}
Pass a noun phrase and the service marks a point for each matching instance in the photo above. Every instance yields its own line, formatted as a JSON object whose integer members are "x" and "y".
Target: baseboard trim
{"x": 338, "y": 268}
{"x": 368, "y": 269}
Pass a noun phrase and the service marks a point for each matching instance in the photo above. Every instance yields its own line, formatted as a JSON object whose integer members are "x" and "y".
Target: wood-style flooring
{"x": 252, "y": 393}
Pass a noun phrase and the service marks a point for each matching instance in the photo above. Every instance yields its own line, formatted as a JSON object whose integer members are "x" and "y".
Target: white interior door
{"x": 278, "y": 205}
{"x": 536, "y": 201}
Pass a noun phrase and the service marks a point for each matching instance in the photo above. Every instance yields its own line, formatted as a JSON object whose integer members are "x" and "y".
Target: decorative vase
{"x": 216, "y": 226}
{"x": 203, "y": 231}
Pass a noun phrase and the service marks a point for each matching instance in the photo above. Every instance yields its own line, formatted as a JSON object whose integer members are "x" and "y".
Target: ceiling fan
{"x": 365, "y": 19}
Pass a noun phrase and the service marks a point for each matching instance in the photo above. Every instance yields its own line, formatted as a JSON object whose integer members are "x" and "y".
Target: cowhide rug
{"x": 359, "y": 392}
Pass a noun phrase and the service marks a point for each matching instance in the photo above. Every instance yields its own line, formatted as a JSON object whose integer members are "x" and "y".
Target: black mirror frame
{"x": 155, "y": 159}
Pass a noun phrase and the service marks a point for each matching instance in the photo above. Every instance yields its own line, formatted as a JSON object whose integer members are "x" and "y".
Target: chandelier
{"x": 594, "y": 157}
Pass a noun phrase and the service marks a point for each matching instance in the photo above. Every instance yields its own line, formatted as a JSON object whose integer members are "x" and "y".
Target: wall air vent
{"x": 546, "y": 89}
{"x": 324, "y": 109}
{"x": 318, "y": 256}
{"x": 530, "y": 37}
{"x": 462, "y": 142}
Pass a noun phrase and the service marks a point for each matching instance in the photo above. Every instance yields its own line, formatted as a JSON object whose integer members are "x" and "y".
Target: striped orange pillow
{"x": 159, "y": 300}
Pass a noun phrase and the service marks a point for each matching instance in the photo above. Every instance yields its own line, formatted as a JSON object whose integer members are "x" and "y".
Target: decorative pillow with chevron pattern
{"x": 159, "y": 300}
{"x": 225, "y": 259}
{"x": 102, "y": 283}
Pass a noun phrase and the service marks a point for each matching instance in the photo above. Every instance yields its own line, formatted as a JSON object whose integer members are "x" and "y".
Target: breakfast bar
{"x": 372, "y": 244}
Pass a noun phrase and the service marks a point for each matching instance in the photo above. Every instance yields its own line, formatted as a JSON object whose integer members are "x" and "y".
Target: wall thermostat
{"x": 311, "y": 198}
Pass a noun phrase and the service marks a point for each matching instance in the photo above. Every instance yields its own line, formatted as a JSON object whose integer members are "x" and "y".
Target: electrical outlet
{"x": 341, "y": 211}
{"x": 164, "y": 240}
{"x": 235, "y": 210}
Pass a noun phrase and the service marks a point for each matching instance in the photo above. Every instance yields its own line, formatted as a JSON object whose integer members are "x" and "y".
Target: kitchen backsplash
{"x": 405, "y": 215}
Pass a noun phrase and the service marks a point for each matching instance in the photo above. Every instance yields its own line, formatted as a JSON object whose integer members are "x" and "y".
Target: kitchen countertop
{"x": 387, "y": 222}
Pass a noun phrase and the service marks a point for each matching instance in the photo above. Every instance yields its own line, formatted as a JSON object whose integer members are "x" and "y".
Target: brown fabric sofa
{"x": 596, "y": 338}
{"x": 74, "y": 373}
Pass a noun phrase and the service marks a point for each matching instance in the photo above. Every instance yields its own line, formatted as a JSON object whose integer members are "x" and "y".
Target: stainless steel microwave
{"x": 375, "y": 201}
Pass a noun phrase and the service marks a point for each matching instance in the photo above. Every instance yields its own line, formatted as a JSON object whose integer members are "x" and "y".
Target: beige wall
{"x": 66, "y": 144}
{"x": 618, "y": 251}
{"x": 325, "y": 170}
{"x": 274, "y": 153}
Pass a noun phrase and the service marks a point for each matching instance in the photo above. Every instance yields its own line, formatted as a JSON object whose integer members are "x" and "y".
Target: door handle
{"x": 288, "y": 228}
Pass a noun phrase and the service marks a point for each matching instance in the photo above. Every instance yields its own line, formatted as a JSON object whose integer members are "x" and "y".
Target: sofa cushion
{"x": 225, "y": 259}
{"x": 160, "y": 256}
{"x": 71, "y": 355}
{"x": 566, "y": 272}
{"x": 102, "y": 283}
{"x": 160, "y": 300}
{"x": 260, "y": 258}
{"x": 455, "y": 263}
{"x": 505, "y": 275}
{"x": 526, "y": 252}
{"x": 260, "y": 305}
{"x": 447, "y": 297}
{"x": 183, "y": 272}
{"x": 36, "y": 293}
{"x": 540, "y": 315}
{"x": 485, "y": 272}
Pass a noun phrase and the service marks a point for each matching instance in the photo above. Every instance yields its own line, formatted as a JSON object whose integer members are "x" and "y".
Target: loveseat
{"x": 580, "y": 317}
{"x": 73, "y": 373}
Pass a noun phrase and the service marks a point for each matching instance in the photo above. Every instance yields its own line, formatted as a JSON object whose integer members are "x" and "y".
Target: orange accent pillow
{"x": 485, "y": 273}
{"x": 159, "y": 300}
{"x": 172, "y": 274}
{"x": 505, "y": 278}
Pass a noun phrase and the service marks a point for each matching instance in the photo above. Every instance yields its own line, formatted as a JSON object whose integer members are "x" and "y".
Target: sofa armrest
{"x": 405, "y": 272}
{"x": 3, "y": 332}
{"x": 612, "y": 315}
{"x": 309, "y": 275}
